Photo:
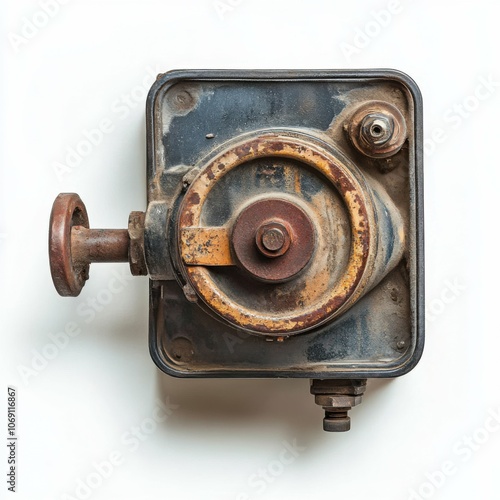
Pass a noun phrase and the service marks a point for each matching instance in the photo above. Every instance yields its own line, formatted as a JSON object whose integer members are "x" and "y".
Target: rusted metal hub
{"x": 273, "y": 239}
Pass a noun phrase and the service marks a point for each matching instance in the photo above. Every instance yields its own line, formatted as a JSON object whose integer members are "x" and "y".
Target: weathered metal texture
{"x": 68, "y": 276}
{"x": 99, "y": 245}
{"x": 136, "y": 253}
{"x": 206, "y": 246}
{"x": 377, "y": 129}
{"x": 156, "y": 238}
{"x": 193, "y": 116}
{"x": 310, "y": 308}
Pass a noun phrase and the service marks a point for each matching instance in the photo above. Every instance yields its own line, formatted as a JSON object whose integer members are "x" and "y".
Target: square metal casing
{"x": 380, "y": 336}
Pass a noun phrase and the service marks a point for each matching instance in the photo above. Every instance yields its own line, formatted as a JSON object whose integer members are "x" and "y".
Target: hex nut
{"x": 352, "y": 387}
{"x": 337, "y": 401}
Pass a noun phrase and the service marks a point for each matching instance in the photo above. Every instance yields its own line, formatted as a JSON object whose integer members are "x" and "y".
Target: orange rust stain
{"x": 207, "y": 246}
{"x": 298, "y": 187}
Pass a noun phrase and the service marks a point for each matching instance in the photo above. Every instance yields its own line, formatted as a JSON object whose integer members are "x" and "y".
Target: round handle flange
{"x": 69, "y": 277}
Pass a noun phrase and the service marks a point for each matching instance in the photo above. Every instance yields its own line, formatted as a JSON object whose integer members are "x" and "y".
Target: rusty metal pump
{"x": 283, "y": 235}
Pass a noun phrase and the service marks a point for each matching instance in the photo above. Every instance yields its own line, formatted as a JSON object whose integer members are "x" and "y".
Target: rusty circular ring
{"x": 273, "y": 213}
{"x": 384, "y": 116}
{"x": 350, "y": 187}
{"x": 68, "y": 210}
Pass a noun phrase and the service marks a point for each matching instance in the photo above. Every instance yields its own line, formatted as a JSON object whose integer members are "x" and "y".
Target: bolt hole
{"x": 376, "y": 130}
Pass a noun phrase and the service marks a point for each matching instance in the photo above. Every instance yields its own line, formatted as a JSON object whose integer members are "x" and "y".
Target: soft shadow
{"x": 256, "y": 406}
{"x": 243, "y": 405}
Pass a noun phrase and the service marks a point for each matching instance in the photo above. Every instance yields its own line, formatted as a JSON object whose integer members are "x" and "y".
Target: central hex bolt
{"x": 273, "y": 239}
{"x": 377, "y": 129}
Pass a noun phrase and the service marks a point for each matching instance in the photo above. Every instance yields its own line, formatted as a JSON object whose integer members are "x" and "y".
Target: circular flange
{"x": 344, "y": 180}
{"x": 377, "y": 129}
{"x": 69, "y": 278}
{"x": 273, "y": 239}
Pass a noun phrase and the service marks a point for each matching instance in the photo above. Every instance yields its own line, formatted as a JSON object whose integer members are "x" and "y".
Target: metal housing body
{"x": 194, "y": 117}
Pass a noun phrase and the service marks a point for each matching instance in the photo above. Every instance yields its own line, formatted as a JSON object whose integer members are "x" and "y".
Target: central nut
{"x": 377, "y": 129}
{"x": 272, "y": 239}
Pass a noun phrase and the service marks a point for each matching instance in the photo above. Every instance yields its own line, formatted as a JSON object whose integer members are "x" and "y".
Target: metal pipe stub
{"x": 337, "y": 397}
{"x": 73, "y": 246}
{"x": 99, "y": 245}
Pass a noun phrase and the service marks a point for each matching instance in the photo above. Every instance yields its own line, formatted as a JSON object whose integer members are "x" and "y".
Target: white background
{"x": 75, "y": 69}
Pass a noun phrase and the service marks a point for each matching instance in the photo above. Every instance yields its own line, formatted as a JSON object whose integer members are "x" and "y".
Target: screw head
{"x": 182, "y": 350}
